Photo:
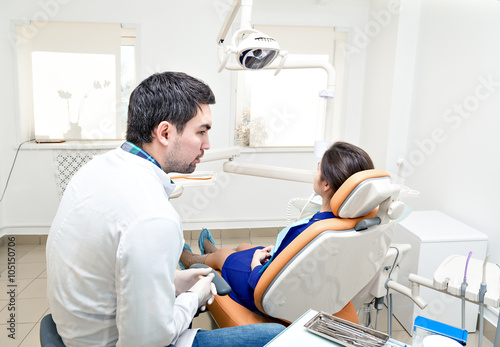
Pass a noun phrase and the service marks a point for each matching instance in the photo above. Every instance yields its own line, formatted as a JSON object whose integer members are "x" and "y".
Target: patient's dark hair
{"x": 169, "y": 96}
{"x": 341, "y": 161}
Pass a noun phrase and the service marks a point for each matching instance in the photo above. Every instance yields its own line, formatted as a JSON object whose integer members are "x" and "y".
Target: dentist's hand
{"x": 205, "y": 290}
{"x": 185, "y": 279}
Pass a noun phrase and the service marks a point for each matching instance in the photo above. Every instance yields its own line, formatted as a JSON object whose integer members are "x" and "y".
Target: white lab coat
{"x": 111, "y": 258}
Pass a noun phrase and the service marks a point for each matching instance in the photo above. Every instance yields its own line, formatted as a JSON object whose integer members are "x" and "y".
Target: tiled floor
{"x": 31, "y": 288}
{"x": 31, "y": 281}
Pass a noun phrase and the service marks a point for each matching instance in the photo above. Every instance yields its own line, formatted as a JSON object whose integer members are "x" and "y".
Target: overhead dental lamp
{"x": 257, "y": 50}
{"x": 251, "y": 48}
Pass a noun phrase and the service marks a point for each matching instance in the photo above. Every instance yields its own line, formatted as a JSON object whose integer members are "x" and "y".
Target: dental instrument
{"x": 189, "y": 177}
{"x": 379, "y": 305}
{"x": 482, "y": 292}
{"x": 389, "y": 314}
{"x": 497, "y": 335}
{"x": 389, "y": 297}
{"x": 462, "y": 290}
{"x": 483, "y": 287}
{"x": 198, "y": 178}
{"x": 344, "y": 332}
{"x": 201, "y": 178}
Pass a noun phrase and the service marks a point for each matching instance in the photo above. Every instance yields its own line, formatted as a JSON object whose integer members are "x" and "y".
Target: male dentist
{"x": 116, "y": 240}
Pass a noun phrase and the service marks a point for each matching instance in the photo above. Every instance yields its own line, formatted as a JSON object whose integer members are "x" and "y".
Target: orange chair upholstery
{"x": 328, "y": 263}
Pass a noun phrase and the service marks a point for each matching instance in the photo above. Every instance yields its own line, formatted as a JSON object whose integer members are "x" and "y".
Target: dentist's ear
{"x": 161, "y": 132}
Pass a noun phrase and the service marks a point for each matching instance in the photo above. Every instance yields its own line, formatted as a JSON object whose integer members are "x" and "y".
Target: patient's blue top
{"x": 238, "y": 273}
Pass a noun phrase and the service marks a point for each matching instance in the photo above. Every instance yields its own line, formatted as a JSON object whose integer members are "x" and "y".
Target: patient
{"x": 243, "y": 267}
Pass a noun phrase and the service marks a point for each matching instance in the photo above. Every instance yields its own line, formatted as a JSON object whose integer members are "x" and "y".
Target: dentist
{"x": 115, "y": 242}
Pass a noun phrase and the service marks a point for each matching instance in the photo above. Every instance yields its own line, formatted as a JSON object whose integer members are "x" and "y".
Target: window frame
{"x": 25, "y": 119}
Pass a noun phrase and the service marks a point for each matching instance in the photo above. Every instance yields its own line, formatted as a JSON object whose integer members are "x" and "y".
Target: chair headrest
{"x": 361, "y": 193}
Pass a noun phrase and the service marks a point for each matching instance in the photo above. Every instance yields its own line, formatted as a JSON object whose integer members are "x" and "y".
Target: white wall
{"x": 174, "y": 35}
{"x": 380, "y": 35}
{"x": 452, "y": 155}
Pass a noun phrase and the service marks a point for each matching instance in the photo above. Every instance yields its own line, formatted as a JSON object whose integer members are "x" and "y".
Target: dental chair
{"x": 330, "y": 262}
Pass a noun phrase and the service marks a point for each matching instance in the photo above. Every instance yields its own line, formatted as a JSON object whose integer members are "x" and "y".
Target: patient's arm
{"x": 261, "y": 256}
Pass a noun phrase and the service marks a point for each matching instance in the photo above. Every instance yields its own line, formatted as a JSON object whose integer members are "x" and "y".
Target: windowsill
{"x": 277, "y": 149}
{"x": 98, "y": 144}
{"x": 111, "y": 144}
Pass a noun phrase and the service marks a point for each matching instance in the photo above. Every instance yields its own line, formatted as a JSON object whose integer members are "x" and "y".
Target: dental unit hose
{"x": 389, "y": 295}
{"x": 482, "y": 292}
{"x": 497, "y": 335}
{"x": 379, "y": 305}
{"x": 462, "y": 290}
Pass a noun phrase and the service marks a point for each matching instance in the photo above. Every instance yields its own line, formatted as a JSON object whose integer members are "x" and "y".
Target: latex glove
{"x": 205, "y": 290}
{"x": 185, "y": 279}
{"x": 261, "y": 256}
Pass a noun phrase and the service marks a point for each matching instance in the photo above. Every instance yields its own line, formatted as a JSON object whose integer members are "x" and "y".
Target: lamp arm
{"x": 246, "y": 16}
{"x": 297, "y": 64}
{"x": 228, "y": 21}
{"x": 268, "y": 171}
{"x": 221, "y": 154}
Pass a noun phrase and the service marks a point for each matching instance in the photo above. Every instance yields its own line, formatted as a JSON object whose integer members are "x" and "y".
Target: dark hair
{"x": 341, "y": 161}
{"x": 169, "y": 96}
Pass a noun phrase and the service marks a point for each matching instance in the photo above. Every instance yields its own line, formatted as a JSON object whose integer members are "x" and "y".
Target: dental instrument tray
{"x": 344, "y": 332}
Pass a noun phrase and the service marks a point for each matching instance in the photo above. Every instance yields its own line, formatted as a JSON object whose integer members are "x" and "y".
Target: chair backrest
{"x": 330, "y": 262}
{"x": 49, "y": 337}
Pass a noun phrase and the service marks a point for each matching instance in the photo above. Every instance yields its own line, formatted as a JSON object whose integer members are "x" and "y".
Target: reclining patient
{"x": 243, "y": 267}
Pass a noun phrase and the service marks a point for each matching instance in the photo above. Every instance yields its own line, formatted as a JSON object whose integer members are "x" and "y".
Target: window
{"x": 286, "y": 110}
{"x": 74, "y": 79}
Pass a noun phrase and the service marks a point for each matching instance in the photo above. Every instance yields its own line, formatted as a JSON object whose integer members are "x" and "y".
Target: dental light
{"x": 257, "y": 50}
{"x": 251, "y": 48}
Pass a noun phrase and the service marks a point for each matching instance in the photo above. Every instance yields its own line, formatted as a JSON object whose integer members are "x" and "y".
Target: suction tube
{"x": 498, "y": 332}
{"x": 482, "y": 292}
{"x": 462, "y": 290}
